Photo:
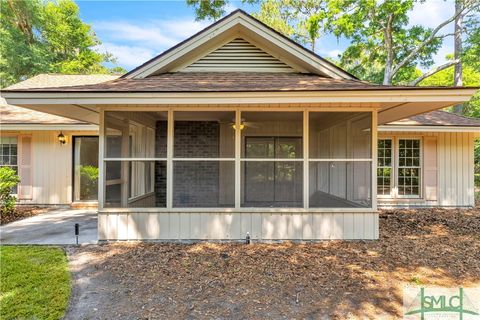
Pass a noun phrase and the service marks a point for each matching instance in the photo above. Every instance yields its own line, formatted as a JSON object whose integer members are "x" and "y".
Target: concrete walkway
{"x": 54, "y": 227}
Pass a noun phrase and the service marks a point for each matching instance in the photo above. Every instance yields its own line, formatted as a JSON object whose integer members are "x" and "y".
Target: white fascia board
{"x": 396, "y": 128}
{"x": 238, "y": 98}
{"x": 229, "y": 25}
{"x": 48, "y": 127}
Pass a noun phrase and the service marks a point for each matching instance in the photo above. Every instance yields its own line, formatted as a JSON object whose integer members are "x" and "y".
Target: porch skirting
{"x": 231, "y": 226}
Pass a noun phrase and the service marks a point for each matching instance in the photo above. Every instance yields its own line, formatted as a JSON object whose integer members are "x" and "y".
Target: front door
{"x": 85, "y": 169}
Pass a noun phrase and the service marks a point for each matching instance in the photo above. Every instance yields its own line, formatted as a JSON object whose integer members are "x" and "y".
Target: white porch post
{"x": 170, "y": 128}
{"x": 238, "y": 150}
{"x": 374, "y": 158}
{"x": 101, "y": 156}
{"x": 306, "y": 191}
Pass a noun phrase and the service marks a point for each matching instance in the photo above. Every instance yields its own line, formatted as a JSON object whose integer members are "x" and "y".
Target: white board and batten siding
{"x": 263, "y": 226}
{"x": 447, "y": 171}
{"x": 49, "y": 166}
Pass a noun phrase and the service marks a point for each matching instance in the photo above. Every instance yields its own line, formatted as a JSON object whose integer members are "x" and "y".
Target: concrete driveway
{"x": 54, "y": 227}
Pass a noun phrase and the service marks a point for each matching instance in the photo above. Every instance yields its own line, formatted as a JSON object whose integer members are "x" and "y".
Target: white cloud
{"x": 128, "y": 56}
{"x": 158, "y": 35}
{"x": 133, "y": 43}
{"x": 431, "y": 13}
{"x": 126, "y": 31}
{"x": 180, "y": 29}
{"x": 331, "y": 53}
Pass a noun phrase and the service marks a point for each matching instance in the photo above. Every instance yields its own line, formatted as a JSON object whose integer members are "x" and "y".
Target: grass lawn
{"x": 34, "y": 282}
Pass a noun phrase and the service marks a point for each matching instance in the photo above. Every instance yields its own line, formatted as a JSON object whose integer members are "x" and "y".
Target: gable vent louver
{"x": 241, "y": 56}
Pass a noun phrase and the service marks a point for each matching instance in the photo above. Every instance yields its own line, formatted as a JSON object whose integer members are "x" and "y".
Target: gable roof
{"x": 437, "y": 118}
{"x": 17, "y": 115}
{"x": 46, "y": 80}
{"x": 13, "y": 115}
{"x": 239, "y": 24}
{"x": 219, "y": 82}
{"x": 227, "y": 82}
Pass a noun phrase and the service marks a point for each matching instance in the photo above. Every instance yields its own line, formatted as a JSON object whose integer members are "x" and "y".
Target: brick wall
{"x": 195, "y": 184}
{"x": 161, "y": 166}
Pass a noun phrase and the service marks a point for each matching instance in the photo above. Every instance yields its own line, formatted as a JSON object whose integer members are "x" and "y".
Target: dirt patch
{"x": 330, "y": 279}
{"x": 22, "y": 212}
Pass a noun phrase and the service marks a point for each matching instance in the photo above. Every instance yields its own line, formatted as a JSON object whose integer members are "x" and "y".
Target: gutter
{"x": 383, "y": 128}
{"x": 48, "y": 127}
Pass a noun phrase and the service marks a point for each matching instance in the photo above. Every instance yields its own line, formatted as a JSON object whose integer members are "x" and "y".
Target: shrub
{"x": 89, "y": 178}
{"x": 8, "y": 180}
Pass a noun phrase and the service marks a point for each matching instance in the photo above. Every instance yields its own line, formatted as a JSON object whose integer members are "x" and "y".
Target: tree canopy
{"x": 384, "y": 46}
{"x": 47, "y": 36}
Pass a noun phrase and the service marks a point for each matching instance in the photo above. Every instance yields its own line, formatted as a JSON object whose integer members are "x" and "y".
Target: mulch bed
{"x": 22, "y": 212}
{"x": 329, "y": 279}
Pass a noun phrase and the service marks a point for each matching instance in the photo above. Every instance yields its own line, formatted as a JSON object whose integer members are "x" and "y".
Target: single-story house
{"x": 50, "y": 171}
{"x": 239, "y": 130}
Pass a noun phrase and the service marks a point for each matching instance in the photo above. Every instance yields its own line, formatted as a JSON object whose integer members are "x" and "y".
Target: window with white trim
{"x": 9, "y": 155}
{"x": 384, "y": 167}
{"x": 409, "y": 170}
{"x": 399, "y": 168}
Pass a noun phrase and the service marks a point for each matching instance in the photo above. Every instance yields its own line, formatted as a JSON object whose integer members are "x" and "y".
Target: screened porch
{"x": 236, "y": 160}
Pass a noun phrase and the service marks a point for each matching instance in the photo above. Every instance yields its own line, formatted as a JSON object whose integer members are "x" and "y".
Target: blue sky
{"x": 135, "y": 31}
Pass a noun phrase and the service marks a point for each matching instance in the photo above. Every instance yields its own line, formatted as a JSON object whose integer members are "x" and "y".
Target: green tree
{"x": 380, "y": 36}
{"x": 384, "y": 47}
{"x": 471, "y": 78}
{"x": 304, "y": 20}
{"x": 46, "y": 36}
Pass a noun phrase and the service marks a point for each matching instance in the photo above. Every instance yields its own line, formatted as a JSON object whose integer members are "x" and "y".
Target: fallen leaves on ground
{"x": 328, "y": 279}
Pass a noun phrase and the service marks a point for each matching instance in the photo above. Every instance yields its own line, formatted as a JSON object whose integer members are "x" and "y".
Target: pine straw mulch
{"x": 22, "y": 212}
{"x": 330, "y": 279}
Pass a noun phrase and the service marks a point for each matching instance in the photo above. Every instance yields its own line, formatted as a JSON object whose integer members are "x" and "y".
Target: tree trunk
{"x": 387, "y": 74}
{"x": 457, "y": 80}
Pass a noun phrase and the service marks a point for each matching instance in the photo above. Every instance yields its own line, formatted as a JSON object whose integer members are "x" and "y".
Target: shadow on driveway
{"x": 55, "y": 227}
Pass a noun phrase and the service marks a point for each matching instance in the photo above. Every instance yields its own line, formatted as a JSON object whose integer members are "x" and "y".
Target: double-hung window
{"x": 385, "y": 167}
{"x": 409, "y": 167}
{"x": 399, "y": 168}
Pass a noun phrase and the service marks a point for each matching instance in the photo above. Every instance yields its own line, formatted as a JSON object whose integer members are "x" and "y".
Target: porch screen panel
{"x": 272, "y": 159}
{"x": 127, "y": 187}
{"x": 340, "y": 159}
{"x": 135, "y": 159}
{"x": 204, "y": 159}
{"x": 135, "y": 134}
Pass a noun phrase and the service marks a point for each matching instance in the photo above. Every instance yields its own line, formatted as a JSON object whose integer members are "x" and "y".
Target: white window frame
{"x": 392, "y": 172}
{"x": 420, "y": 167}
{"x": 17, "y": 166}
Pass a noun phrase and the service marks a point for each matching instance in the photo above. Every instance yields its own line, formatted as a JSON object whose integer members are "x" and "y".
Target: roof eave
{"x": 424, "y": 128}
